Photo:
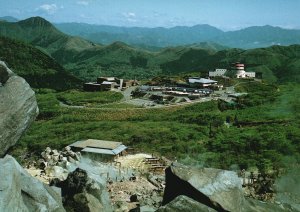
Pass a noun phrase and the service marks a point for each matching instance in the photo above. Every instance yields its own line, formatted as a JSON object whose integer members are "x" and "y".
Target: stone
{"x": 184, "y": 203}
{"x": 87, "y": 202}
{"x": 5, "y": 73}
{"x": 218, "y": 189}
{"x": 18, "y": 108}
{"x": 55, "y": 152}
{"x": 19, "y": 191}
{"x": 71, "y": 160}
{"x": 57, "y": 172}
{"x": 79, "y": 182}
{"x": 68, "y": 148}
{"x": 147, "y": 208}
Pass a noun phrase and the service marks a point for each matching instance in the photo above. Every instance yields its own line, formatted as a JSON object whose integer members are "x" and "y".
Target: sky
{"x": 224, "y": 14}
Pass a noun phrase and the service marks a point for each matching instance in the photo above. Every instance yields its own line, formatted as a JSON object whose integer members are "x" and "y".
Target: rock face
{"x": 18, "y": 108}
{"x": 184, "y": 203}
{"x": 21, "y": 192}
{"x": 82, "y": 193}
{"x": 215, "y": 188}
{"x": 218, "y": 189}
{"x": 18, "y": 190}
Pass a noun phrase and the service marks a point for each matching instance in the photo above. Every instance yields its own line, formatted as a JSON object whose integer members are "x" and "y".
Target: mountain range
{"x": 88, "y": 60}
{"x": 251, "y": 37}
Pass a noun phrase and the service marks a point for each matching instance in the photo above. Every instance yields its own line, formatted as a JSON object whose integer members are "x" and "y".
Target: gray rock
{"x": 147, "y": 208}
{"x": 5, "y": 73}
{"x": 18, "y": 109}
{"x": 87, "y": 202}
{"x": 184, "y": 203}
{"x": 215, "y": 188}
{"x": 218, "y": 189}
{"x": 79, "y": 182}
{"x": 21, "y": 192}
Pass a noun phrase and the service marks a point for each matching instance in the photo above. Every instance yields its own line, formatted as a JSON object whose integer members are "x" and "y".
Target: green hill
{"x": 39, "y": 70}
{"x": 277, "y": 63}
{"x": 41, "y": 33}
{"x": 87, "y": 60}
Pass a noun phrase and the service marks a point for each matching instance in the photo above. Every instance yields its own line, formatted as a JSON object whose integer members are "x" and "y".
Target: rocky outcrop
{"x": 184, "y": 203}
{"x": 18, "y": 190}
{"x": 82, "y": 193}
{"x": 215, "y": 188}
{"x": 18, "y": 108}
{"x": 21, "y": 192}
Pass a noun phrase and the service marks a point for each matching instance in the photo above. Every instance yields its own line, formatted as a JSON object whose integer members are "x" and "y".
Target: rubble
{"x": 140, "y": 191}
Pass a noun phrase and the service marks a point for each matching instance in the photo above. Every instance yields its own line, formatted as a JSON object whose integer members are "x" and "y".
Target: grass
{"x": 194, "y": 134}
{"x": 89, "y": 99}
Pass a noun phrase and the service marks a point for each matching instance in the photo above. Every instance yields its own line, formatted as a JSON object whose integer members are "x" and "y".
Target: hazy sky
{"x": 225, "y": 14}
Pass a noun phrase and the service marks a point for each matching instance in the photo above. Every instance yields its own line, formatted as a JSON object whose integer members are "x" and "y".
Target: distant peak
{"x": 119, "y": 44}
{"x": 36, "y": 21}
{"x": 8, "y": 19}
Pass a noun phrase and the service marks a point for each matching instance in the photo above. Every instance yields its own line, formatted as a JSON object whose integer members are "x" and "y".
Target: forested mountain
{"x": 88, "y": 60}
{"x": 39, "y": 70}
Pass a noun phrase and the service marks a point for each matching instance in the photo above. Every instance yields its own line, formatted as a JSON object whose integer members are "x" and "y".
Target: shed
{"x": 99, "y": 149}
{"x": 202, "y": 82}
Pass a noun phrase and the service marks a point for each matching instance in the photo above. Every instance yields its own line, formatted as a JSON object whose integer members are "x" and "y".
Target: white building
{"x": 240, "y": 71}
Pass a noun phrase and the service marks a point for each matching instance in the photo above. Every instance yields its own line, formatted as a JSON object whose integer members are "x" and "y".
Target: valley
{"x": 189, "y": 105}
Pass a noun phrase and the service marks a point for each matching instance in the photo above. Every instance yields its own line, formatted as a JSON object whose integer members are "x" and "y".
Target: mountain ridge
{"x": 183, "y": 35}
{"x": 88, "y": 60}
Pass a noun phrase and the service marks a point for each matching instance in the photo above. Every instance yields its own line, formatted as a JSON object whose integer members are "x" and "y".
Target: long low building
{"x": 99, "y": 149}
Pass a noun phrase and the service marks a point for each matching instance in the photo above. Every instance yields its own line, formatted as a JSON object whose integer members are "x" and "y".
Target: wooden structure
{"x": 99, "y": 149}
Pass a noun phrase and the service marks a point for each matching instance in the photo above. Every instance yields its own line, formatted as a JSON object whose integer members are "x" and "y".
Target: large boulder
{"x": 218, "y": 189}
{"x": 184, "y": 203}
{"x": 18, "y": 108}
{"x": 83, "y": 193}
{"x": 21, "y": 192}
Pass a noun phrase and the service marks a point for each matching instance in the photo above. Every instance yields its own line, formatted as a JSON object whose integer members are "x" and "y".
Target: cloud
{"x": 48, "y": 8}
{"x": 84, "y": 3}
{"x": 130, "y": 16}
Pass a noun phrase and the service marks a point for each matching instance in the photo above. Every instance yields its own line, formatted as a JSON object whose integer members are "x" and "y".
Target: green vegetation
{"x": 262, "y": 127}
{"x": 257, "y": 135}
{"x": 89, "y": 99}
{"x": 39, "y": 70}
{"x": 88, "y": 60}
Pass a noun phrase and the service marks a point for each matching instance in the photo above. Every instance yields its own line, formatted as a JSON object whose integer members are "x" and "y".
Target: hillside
{"x": 39, "y": 70}
{"x": 277, "y": 63}
{"x": 248, "y": 38}
{"x": 39, "y": 32}
{"x": 87, "y": 60}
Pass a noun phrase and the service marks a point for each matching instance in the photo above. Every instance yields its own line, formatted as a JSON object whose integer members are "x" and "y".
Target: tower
{"x": 239, "y": 68}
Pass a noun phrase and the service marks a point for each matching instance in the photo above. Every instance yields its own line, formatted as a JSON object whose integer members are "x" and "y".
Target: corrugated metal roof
{"x": 201, "y": 80}
{"x": 119, "y": 149}
{"x": 97, "y": 144}
{"x": 99, "y": 151}
{"x": 107, "y": 83}
{"x": 105, "y": 151}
